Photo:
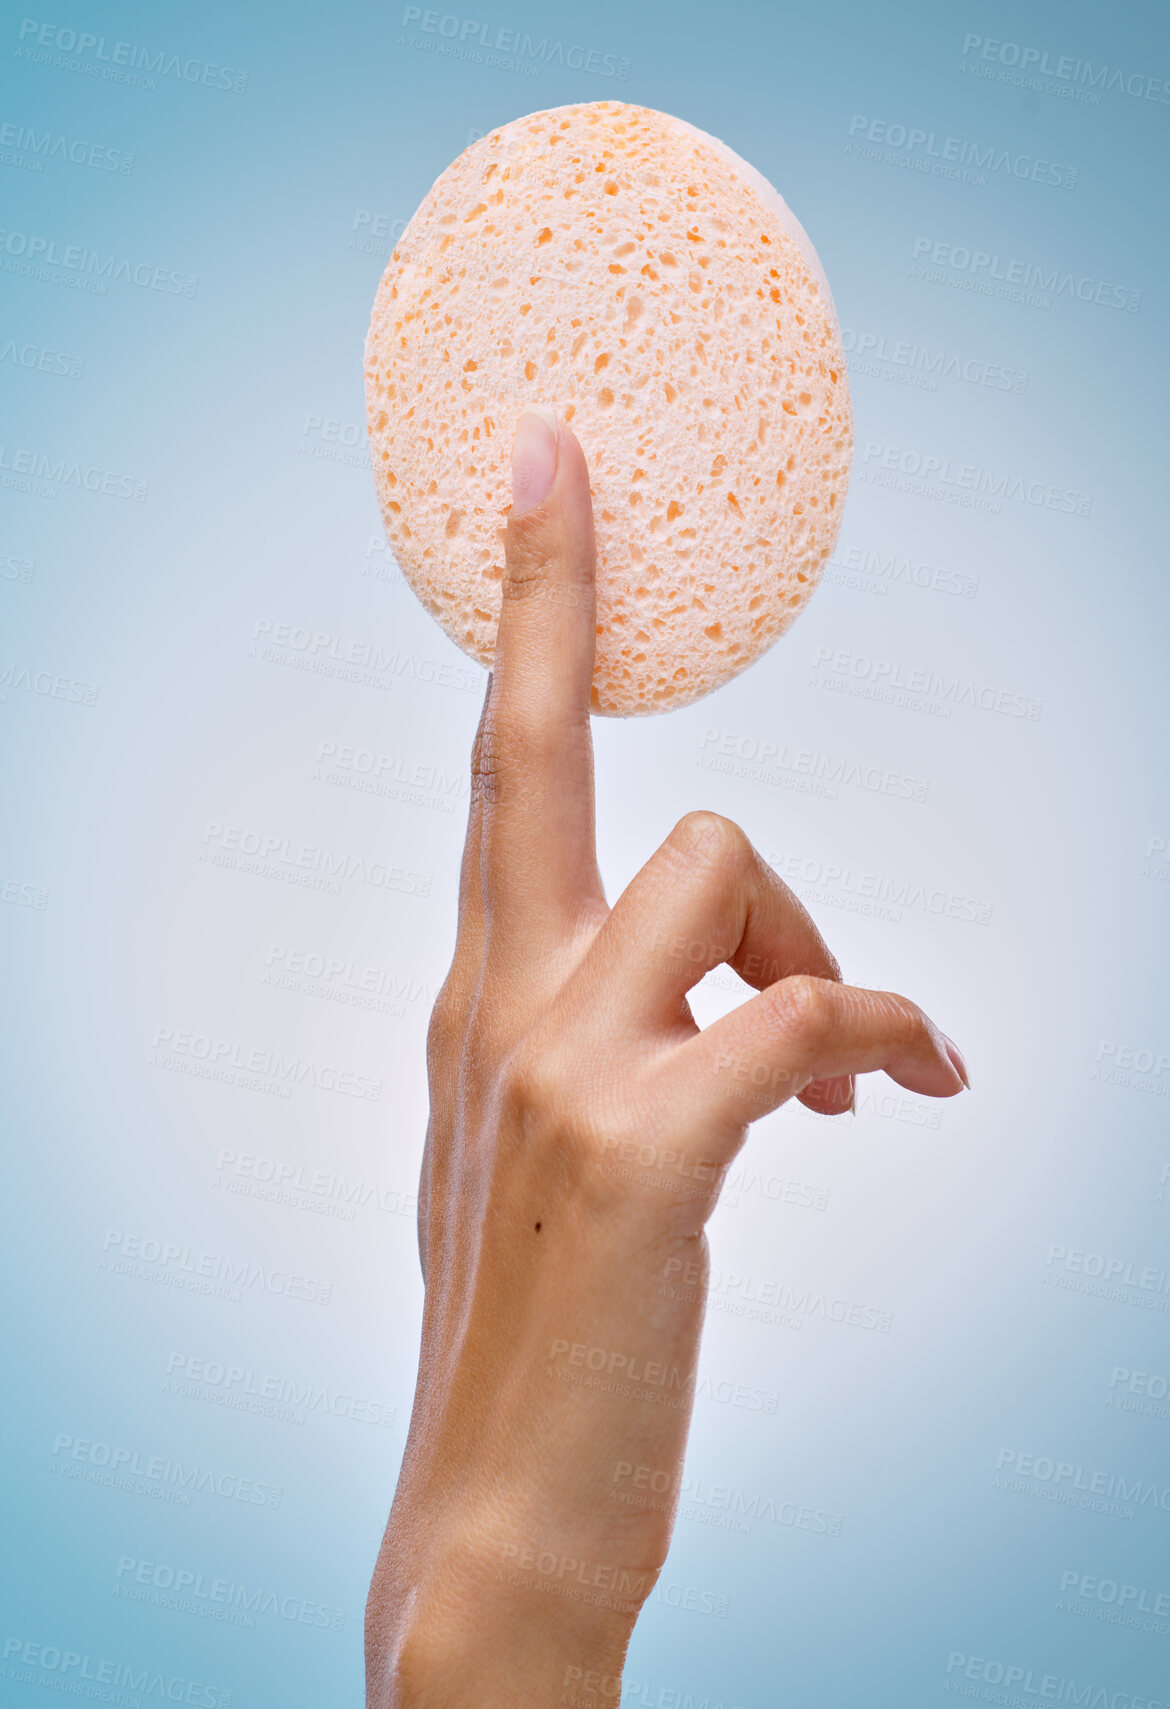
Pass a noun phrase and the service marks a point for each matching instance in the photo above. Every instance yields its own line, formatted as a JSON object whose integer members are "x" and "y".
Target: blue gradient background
{"x": 1056, "y": 828}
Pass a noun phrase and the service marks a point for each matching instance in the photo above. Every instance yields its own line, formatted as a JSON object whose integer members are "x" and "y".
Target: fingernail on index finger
{"x": 534, "y": 458}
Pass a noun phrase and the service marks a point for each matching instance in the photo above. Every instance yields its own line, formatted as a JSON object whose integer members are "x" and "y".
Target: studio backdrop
{"x": 930, "y": 1456}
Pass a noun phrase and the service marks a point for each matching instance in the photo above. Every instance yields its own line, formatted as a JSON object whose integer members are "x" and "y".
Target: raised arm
{"x": 580, "y": 1128}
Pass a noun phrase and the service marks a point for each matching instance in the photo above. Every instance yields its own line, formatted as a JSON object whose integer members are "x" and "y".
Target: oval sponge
{"x": 636, "y": 275}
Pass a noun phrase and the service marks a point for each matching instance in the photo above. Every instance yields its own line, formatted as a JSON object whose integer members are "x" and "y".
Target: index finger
{"x": 538, "y": 858}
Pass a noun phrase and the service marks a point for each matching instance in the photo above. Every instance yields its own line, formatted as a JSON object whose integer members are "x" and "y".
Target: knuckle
{"x": 704, "y": 835}
{"x": 523, "y": 740}
{"x": 446, "y": 1025}
{"x": 503, "y": 732}
{"x": 532, "y": 1081}
{"x": 532, "y": 556}
{"x": 498, "y": 751}
{"x": 546, "y": 1099}
{"x": 550, "y": 551}
{"x": 803, "y": 1010}
{"x": 499, "y": 757}
{"x": 908, "y": 1016}
{"x": 483, "y": 766}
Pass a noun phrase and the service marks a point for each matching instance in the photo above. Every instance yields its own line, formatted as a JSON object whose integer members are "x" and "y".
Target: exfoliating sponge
{"x": 634, "y": 274}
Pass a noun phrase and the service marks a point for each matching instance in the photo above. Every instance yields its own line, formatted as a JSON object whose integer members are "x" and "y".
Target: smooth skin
{"x": 581, "y": 1125}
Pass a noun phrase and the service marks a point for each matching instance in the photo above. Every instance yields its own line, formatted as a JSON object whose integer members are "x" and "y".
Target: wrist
{"x": 500, "y": 1624}
{"x": 508, "y": 1662}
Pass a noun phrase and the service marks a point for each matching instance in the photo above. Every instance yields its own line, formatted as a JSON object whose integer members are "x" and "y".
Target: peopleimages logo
{"x": 1152, "y": 1278}
{"x": 239, "y": 848}
{"x": 320, "y": 1191}
{"x": 645, "y": 1694}
{"x": 71, "y": 1667}
{"x": 1139, "y": 1383}
{"x": 177, "y": 1264}
{"x": 1040, "y": 62}
{"x": 90, "y": 268}
{"x": 40, "y": 358}
{"x": 925, "y": 366}
{"x": 833, "y": 881}
{"x": 732, "y": 1509}
{"x": 1129, "y": 1065}
{"x": 875, "y": 570}
{"x": 769, "y": 760}
{"x": 985, "y": 267}
{"x": 330, "y": 654}
{"x": 47, "y": 473}
{"x": 117, "y": 1464}
{"x": 242, "y": 1385}
{"x": 333, "y": 979}
{"x": 1139, "y": 1598}
{"x": 472, "y": 34}
{"x": 1045, "y": 1687}
{"x": 22, "y": 895}
{"x": 53, "y": 684}
{"x": 96, "y": 57}
{"x": 207, "y": 1594}
{"x": 744, "y": 1295}
{"x": 1066, "y": 1480}
{"x": 957, "y": 151}
{"x": 290, "y": 1071}
{"x": 969, "y": 479}
{"x": 40, "y": 146}
{"x": 917, "y": 687}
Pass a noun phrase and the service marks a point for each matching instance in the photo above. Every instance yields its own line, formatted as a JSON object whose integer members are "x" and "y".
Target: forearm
{"x": 523, "y": 1540}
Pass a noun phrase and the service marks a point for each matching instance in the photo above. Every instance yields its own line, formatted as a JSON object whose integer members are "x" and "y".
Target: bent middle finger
{"x": 706, "y": 896}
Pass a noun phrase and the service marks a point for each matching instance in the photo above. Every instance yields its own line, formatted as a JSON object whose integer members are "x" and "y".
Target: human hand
{"x": 581, "y": 1125}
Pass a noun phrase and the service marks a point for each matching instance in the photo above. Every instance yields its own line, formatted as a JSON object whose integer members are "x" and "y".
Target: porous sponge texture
{"x": 628, "y": 270}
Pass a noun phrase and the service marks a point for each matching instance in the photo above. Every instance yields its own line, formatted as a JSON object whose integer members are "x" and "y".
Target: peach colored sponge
{"x": 648, "y": 284}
